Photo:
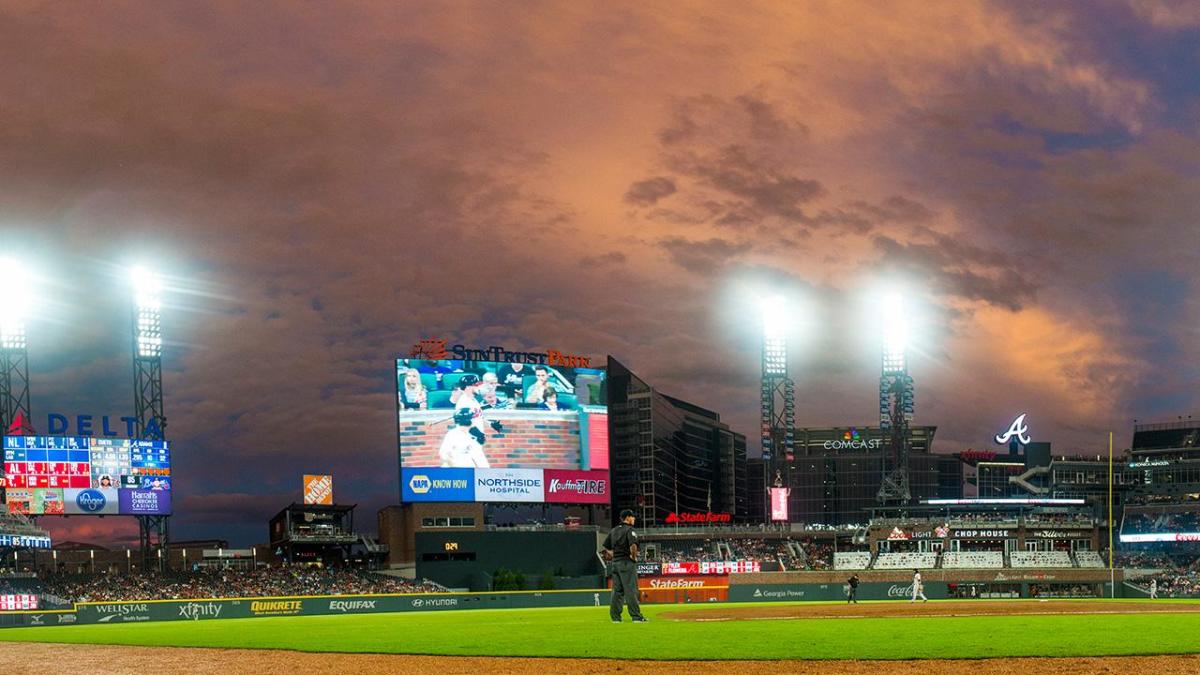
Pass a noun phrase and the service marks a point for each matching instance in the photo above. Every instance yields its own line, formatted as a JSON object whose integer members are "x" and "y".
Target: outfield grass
{"x": 587, "y": 632}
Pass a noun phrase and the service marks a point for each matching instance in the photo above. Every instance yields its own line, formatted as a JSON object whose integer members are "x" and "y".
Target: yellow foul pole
{"x": 1112, "y": 574}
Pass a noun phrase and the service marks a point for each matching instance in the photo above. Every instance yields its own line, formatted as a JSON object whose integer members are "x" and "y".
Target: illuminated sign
{"x": 698, "y": 518}
{"x": 779, "y": 504}
{"x": 318, "y": 489}
{"x": 1147, "y": 463}
{"x": 1017, "y": 429}
{"x": 450, "y": 546}
{"x": 1159, "y": 536}
{"x": 436, "y": 350}
{"x": 1000, "y": 501}
{"x": 853, "y": 440}
{"x": 973, "y": 457}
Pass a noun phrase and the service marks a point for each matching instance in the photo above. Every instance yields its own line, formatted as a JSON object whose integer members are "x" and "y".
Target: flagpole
{"x": 1112, "y": 573}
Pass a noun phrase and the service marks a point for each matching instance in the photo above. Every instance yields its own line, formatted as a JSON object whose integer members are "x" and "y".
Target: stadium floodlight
{"x": 147, "y": 295}
{"x": 895, "y": 333}
{"x": 774, "y": 344}
{"x": 14, "y": 303}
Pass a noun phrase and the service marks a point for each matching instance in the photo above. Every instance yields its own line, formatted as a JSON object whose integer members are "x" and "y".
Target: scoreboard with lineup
{"x": 64, "y": 475}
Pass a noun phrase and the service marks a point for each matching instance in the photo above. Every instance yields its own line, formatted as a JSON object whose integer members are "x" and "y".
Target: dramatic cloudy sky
{"x": 325, "y": 183}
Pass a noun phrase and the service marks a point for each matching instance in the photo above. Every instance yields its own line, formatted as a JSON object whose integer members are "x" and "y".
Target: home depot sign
{"x": 318, "y": 489}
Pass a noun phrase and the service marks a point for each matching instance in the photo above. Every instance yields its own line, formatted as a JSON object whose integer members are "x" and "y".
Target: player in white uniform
{"x": 1154, "y": 589}
{"x": 918, "y": 587}
{"x": 462, "y": 447}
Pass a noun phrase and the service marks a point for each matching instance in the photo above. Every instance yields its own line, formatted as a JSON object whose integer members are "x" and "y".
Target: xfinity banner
{"x": 509, "y": 485}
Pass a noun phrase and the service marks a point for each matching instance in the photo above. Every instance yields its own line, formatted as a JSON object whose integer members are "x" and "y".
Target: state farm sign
{"x": 683, "y": 582}
{"x": 698, "y": 518}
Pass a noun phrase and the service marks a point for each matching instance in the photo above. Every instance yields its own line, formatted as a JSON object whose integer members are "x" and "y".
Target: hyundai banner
{"x": 509, "y": 485}
{"x": 145, "y": 502}
{"x": 577, "y": 487}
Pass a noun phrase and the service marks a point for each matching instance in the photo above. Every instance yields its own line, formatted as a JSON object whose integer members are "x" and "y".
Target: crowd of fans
{"x": 818, "y": 556}
{"x": 1161, "y": 522}
{"x": 221, "y": 583}
{"x": 1059, "y": 519}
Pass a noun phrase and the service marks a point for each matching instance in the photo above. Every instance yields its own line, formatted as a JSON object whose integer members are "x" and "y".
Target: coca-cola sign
{"x": 896, "y": 591}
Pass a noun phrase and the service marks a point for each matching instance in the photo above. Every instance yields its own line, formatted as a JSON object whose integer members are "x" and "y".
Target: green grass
{"x": 587, "y": 632}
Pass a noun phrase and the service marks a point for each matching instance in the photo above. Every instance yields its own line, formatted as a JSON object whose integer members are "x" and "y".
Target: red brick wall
{"x": 530, "y": 440}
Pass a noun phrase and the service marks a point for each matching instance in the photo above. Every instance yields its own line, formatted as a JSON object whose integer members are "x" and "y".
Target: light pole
{"x": 148, "y": 394}
{"x": 895, "y": 400}
{"x": 778, "y": 398}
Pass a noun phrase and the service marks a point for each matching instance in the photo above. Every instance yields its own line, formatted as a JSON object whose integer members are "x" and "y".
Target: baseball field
{"x": 1063, "y": 635}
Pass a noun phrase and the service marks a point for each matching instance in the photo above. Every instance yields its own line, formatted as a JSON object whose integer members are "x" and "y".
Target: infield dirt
{"x": 99, "y": 659}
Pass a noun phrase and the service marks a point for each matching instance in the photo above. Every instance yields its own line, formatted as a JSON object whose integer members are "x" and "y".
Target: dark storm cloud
{"x": 703, "y": 257}
{"x": 328, "y": 184}
{"x": 648, "y": 192}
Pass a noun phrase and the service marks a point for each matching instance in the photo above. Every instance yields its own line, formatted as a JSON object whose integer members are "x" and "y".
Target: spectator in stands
{"x": 413, "y": 395}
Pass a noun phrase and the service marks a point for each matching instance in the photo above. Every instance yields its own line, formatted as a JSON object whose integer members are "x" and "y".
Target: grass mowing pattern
{"x": 587, "y": 632}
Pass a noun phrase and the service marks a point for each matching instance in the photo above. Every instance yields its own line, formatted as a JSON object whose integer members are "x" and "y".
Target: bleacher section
{"x": 905, "y": 560}
{"x": 1027, "y": 559}
{"x": 851, "y": 560}
{"x": 1090, "y": 559}
{"x": 972, "y": 560}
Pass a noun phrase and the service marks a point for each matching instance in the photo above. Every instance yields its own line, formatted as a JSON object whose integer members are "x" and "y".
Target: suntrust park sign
{"x": 436, "y": 350}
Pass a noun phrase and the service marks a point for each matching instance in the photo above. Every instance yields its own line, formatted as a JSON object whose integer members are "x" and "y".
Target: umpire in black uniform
{"x": 621, "y": 547}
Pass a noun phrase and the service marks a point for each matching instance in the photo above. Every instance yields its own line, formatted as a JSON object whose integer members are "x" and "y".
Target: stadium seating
{"x": 972, "y": 560}
{"x": 851, "y": 560}
{"x": 905, "y": 560}
{"x": 1028, "y": 559}
{"x": 1090, "y": 559}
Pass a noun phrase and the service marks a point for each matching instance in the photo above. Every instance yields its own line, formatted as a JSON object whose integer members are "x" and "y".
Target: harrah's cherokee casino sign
{"x": 436, "y": 350}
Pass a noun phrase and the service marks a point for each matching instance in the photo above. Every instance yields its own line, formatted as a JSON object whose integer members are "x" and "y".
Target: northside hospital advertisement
{"x": 501, "y": 431}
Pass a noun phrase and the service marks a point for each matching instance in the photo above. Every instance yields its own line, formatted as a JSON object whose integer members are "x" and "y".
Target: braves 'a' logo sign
{"x": 1018, "y": 428}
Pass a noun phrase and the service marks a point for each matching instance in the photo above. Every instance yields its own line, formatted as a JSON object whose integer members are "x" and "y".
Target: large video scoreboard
{"x": 85, "y": 475}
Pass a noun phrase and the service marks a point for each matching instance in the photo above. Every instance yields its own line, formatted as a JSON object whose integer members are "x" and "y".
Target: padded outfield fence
{"x": 751, "y": 587}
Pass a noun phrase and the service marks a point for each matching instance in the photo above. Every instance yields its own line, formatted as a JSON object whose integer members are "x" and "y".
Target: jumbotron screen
{"x": 488, "y": 431}
{"x": 85, "y": 475}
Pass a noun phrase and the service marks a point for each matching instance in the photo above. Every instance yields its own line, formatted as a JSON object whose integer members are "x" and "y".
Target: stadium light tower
{"x": 15, "y": 300}
{"x": 778, "y": 395}
{"x": 895, "y": 400}
{"x": 148, "y": 395}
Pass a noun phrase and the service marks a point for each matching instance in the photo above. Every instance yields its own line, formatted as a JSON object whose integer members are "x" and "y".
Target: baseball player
{"x": 1154, "y": 589}
{"x": 918, "y": 587}
{"x": 463, "y": 445}
{"x": 465, "y": 398}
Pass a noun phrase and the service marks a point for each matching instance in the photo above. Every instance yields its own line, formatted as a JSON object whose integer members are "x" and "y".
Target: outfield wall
{"x": 246, "y": 608}
{"x": 756, "y": 587}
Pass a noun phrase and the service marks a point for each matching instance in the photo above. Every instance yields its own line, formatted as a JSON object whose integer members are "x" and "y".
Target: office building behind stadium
{"x": 836, "y": 473}
{"x": 673, "y": 462}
